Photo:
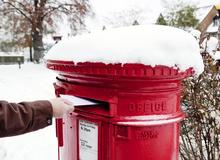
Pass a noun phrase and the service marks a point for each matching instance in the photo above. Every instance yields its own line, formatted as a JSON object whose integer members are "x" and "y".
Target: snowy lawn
{"x": 31, "y": 82}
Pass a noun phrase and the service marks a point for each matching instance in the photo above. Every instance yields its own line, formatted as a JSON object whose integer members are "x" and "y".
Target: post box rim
{"x": 118, "y": 70}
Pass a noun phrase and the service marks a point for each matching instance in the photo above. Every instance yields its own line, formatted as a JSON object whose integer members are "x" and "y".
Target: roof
{"x": 202, "y": 12}
{"x": 205, "y": 16}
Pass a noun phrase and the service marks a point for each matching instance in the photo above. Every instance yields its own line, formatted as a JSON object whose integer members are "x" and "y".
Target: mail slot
{"x": 136, "y": 112}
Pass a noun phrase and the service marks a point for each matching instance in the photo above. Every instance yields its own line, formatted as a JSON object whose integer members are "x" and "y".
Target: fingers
{"x": 61, "y": 106}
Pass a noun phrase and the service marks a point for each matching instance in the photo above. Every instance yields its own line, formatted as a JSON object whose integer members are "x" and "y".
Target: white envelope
{"x": 78, "y": 101}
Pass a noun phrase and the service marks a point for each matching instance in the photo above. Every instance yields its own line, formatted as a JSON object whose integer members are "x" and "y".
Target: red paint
{"x": 139, "y": 114}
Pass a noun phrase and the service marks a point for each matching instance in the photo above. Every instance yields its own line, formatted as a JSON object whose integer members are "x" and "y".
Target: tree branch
{"x": 53, "y": 9}
{"x": 18, "y": 10}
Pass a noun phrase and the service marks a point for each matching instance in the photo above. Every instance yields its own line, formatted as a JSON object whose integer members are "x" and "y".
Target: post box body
{"x": 137, "y": 115}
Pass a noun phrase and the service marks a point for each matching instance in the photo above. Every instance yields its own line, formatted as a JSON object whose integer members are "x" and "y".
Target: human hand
{"x": 61, "y": 106}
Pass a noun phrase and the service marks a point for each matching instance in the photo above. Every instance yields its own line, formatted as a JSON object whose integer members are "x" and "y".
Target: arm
{"x": 19, "y": 118}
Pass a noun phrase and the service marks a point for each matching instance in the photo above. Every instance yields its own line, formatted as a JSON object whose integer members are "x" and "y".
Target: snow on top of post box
{"x": 143, "y": 44}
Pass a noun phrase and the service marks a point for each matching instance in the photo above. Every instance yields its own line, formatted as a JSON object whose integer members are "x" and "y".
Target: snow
{"x": 210, "y": 45}
{"x": 10, "y": 54}
{"x": 212, "y": 29}
{"x": 217, "y": 55}
{"x": 196, "y": 34}
{"x": 31, "y": 82}
{"x": 48, "y": 40}
{"x": 202, "y": 12}
{"x": 144, "y": 44}
{"x": 208, "y": 2}
{"x": 215, "y": 115}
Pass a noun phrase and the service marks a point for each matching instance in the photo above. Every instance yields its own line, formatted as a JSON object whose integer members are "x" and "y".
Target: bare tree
{"x": 200, "y": 138}
{"x": 35, "y": 13}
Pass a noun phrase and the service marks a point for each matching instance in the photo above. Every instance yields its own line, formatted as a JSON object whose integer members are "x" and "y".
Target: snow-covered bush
{"x": 200, "y": 138}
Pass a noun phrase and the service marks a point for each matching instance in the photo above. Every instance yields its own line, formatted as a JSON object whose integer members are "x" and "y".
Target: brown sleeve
{"x": 20, "y": 118}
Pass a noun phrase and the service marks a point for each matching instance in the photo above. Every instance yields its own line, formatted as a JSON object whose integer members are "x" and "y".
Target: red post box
{"x": 137, "y": 115}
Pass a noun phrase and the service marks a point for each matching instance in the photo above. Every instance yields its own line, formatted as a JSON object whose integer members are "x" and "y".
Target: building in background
{"x": 209, "y": 20}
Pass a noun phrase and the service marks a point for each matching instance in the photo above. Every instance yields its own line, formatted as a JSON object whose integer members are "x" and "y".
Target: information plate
{"x": 88, "y": 140}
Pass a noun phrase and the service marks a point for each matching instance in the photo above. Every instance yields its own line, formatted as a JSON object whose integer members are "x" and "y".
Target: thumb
{"x": 61, "y": 106}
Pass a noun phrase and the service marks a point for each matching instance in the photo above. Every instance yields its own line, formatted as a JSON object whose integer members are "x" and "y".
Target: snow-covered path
{"x": 31, "y": 82}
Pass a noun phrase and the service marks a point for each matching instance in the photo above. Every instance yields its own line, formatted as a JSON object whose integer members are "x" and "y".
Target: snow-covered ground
{"x": 31, "y": 82}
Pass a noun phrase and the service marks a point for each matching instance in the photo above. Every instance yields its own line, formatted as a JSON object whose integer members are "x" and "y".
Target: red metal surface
{"x": 139, "y": 114}
{"x": 59, "y": 132}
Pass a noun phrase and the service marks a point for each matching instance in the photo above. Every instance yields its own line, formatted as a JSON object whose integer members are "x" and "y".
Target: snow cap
{"x": 143, "y": 44}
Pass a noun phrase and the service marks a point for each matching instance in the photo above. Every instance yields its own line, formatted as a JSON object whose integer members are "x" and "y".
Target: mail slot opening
{"x": 98, "y": 108}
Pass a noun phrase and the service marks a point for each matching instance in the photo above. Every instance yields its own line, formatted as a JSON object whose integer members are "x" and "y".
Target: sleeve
{"x": 20, "y": 118}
